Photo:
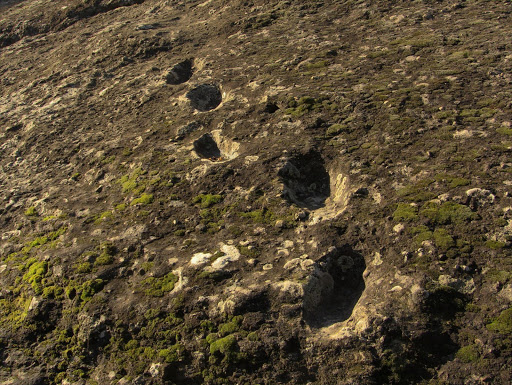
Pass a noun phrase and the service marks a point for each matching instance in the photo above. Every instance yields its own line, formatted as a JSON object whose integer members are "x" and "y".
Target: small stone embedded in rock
{"x": 478, "y": 197}
{"x": 292, "y": 264}
{"x": 231, "y": 254}
{"x": 268, "y": 266}
{"x": 279, "y": 224}
{"x": 302, "y": 215}
{"x": 154, "y": 369}
{"x": 307, "y": 265}
{"x": 288, "y": 244}
{"x": 399, "y": 228}
{"x": 200, "y": 258}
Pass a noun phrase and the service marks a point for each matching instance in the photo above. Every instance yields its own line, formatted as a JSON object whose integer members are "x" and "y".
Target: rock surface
{"x": 244, "y": 192}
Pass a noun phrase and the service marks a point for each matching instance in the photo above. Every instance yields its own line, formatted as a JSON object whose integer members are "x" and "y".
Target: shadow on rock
{"x": 341, "y": 271}
{"x": 205, "y": 97}
{"x": 180, "y": 73}
{"x": 306, "y": 181}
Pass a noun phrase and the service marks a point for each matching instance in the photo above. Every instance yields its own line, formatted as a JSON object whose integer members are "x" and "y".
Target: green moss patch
{"x": 90, "y": 288}
{"x": 31, "y": 212}
{"x": 171, "y": 354}
{"x": 35, "y": 274}
{"x": 405, "y": 212}
{"x": 467, "y": 354}
{"x": 144, "y": 199}
{"x": 207, "y": 200}
{"x": 447, "y": 212}
{"x": 226, "y": 346}
{"x": 503, "y": 323}
{"x": 443, "y": 239}
{"x": 157, "y": 287}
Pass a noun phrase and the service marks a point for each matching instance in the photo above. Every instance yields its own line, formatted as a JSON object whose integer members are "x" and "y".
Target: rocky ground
{"x": 255, "y": 192}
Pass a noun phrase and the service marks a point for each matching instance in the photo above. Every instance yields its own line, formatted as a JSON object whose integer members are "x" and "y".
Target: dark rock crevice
{"x": 306, "y": 180}
{"x": 344, "y": 268}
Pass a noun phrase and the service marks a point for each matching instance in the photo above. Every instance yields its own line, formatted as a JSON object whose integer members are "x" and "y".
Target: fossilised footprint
{"x": 205, "y": 97}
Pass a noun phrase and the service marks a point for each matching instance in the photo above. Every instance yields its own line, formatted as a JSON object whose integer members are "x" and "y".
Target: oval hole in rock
{"x": 216, "y": 147}
{"x": 206, "y": 147}
{"x": 205, "y": 97}
{"x": 306, "y": 181}
{"x": 345, "y": 266}
{"x": 180, "y": 73}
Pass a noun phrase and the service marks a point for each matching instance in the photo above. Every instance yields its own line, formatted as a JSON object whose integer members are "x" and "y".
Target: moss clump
{"x": 37, "y": 242}
{"x": 207, "y": 200}
{"x": 144, "y": 199}
{"x": 103, "y": 216}
{"x": 226, "y": 346}
{"x": 31, "y": 212}
{"x": 130, "y": 183}
{"x": 70, "y": 292}
{"x": 108, "y": 250}
{"x": 14, "y": 312}
{"x": 249, "y": 251}
{"x": 495, "y": 245}
{"x": 121, "y": 207}
{"x": 405, "y": 212}
{"x": 304, "y": 105}
{"x": 421, "y": 234}
{"x": 317, "y": 65}
{"x": 53, "y": 235}
{"x": 264, "y": 215}
{"x": 35, "y": 274}
{"x": 157, "y": 287}
{"x": 445, "y": 302}
{"x": 503, "y": 323}
{"x": 452, "y": 181}
{"x": 132, "y": 344}
{"x": 152, "y": 314}
{"x": 504, "y": 130}
{"x": 467, "y": 354}
{"x": 417, "y": 192}
{"x": 442, "y": 239}
{"x": 90, "y": 288}
{"x": 83, "y": 268}
{"x": 230, "y": 327}
{"x": 44, "y": 239}
{"x": 207, "y": 325}
{"x": 172, "y": 354}
{"x": 53, "y": 292}
{"x": 215, "y": 275}
{"x": 456, "y": 182}
{"x": 447, "y": 212}
{"x": 104, "y": 259}
{"x": 336, "y": 129}
{"x": 500, "y": 276}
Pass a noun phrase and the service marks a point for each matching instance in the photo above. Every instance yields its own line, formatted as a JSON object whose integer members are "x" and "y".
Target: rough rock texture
{"x": 255, "y": 192}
